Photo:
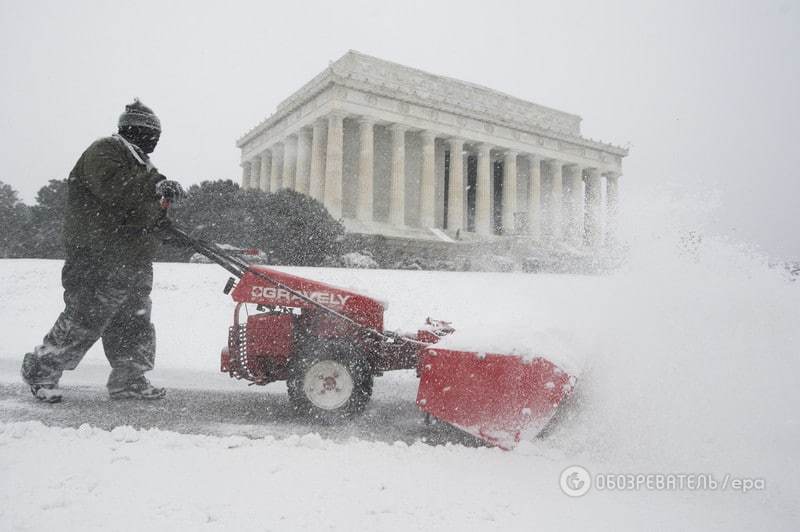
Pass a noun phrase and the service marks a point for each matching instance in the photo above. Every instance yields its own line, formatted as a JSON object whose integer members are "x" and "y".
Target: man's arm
{"x": 117, "y": 185}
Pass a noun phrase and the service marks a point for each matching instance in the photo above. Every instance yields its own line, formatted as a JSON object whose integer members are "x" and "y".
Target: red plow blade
{"x": 497, "y": 398}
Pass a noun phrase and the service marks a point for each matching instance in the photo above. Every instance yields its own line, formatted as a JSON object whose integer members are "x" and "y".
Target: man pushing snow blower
{"x": 111, "y": 235}
{"x": 326, "y": 342}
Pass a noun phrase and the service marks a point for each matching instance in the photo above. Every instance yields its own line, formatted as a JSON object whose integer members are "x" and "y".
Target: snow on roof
{"x": 378, "y": 76}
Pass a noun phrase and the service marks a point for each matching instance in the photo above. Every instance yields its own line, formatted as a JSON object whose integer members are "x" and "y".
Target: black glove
{"x": 163, "y": 223}
{"x": 170, "y": 190}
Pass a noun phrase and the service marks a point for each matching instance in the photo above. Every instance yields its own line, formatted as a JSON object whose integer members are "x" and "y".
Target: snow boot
{"x": 138, "y": 389}
{"x": 47, "y": 392}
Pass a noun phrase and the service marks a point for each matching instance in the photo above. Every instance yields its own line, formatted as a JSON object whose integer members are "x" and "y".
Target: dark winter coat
{"x": 111, "y": 203}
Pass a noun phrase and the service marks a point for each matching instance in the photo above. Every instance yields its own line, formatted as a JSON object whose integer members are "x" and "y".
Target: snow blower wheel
{"x": 329, "y": 381}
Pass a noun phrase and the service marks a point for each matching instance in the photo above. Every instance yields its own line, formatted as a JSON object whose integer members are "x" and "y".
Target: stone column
{"x": 483, "y": 191}
{"x": 593, "y": 199}
{"x": 535, "y": 197}
{"x": 317, "y": 170}
{"x": 366, "y": 169}
{"x": 612, "y": 205}
{"x": 509, "y": 192}
{"x": 612, "y": 193}
{"x": 266, "y": 163}
{"x": 303, "y": 170}
{"x": 576, "y": 210}
{"x": 555, "y": 200}
{"x": 289, "y": 161}
{"x": 397, "y": 190}
{"x": 255, "y": 172}
{"x": 427, "y": 196}
{"x": 333, "y": 165}
{"x": 246, "y": 170}
{"x": 455, "y": 201}
{"x": 277, "y": 167}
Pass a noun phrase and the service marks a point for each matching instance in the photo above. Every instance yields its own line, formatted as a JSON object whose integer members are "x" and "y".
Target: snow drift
{"x": 688, "y": 359}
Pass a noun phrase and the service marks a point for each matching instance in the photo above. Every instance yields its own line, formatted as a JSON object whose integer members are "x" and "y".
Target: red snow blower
{"x": 328, "y": 344}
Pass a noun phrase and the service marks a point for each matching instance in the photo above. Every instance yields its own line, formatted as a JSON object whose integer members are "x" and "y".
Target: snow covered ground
{"x": 688, "y": 365}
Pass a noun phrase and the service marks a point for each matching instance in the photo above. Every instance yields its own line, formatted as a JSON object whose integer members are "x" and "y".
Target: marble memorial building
{"x": 393, "y": 150}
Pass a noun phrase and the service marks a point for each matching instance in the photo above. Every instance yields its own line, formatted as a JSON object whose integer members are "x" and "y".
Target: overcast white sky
{"x": 705, "y": 93}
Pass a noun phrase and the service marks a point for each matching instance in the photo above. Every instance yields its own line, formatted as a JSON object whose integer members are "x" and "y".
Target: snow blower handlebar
{"x": 239, "y": 267}
{"x": 233, "y": 264}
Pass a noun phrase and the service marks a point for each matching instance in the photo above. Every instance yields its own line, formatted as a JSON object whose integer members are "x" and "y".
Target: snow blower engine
{"x": 329, "y": 344}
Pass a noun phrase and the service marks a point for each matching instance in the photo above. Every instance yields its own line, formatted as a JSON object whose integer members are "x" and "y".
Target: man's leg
{"x": 89, "y": 306}
{"x": 129, "y": 342}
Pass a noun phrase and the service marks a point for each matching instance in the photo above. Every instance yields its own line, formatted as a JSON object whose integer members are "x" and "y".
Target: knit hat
{"x": 138, "y": 114}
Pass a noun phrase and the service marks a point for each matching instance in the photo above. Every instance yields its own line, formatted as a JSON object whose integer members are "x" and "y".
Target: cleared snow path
{"x": 220, "y": 410}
